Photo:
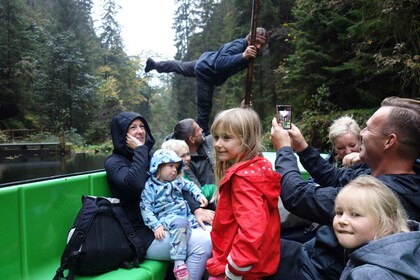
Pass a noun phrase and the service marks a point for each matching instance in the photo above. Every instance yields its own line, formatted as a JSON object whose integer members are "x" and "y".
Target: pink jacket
{"x": 246, "y": 227}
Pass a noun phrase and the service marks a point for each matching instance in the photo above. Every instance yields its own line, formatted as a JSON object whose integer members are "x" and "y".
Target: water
{"x": 12, "y": 170}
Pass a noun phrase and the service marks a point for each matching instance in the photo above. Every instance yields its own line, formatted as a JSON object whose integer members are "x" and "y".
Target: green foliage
{"x": 4, "y": 137}
{"x": 70, "y": 136}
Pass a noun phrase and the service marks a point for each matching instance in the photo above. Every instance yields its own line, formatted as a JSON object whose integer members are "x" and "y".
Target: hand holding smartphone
{"x": 284, "y": 115}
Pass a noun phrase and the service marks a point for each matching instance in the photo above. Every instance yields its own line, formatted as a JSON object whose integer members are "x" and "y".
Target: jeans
{"x": 198, "y": 251}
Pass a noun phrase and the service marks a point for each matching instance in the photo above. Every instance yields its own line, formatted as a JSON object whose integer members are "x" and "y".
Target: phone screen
{"x": 284, "y": 115}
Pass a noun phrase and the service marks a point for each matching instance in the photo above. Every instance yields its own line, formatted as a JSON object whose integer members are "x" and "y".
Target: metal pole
{"x": 250, "y": 69}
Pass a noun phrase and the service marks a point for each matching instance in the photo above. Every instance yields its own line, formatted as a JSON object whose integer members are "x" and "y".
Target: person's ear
{"x": 390, "y": 140}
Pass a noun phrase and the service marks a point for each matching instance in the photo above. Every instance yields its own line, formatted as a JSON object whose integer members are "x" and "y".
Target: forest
{"x": 327, "y": 58}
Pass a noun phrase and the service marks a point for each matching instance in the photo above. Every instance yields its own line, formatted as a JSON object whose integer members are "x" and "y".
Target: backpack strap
{"x": 130, "y": 233}
{"x": 86, "y": 216}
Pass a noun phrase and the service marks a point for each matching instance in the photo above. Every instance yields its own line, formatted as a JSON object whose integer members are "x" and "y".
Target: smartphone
{"x": 284, "y": 115}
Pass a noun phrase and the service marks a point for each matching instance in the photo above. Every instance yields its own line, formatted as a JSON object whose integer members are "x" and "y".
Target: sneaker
{"x": 181, "y": 272}
{"x": 150, "y": 65}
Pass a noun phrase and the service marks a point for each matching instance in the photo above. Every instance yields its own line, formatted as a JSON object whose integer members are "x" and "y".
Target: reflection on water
{"x": 19, "y": 169}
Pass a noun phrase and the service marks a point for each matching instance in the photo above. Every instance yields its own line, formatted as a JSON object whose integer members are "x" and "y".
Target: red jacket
{"x": 246, "y": 227}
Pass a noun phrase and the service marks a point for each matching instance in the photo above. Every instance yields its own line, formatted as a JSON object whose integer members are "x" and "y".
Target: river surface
{"x": 20, "y": 169}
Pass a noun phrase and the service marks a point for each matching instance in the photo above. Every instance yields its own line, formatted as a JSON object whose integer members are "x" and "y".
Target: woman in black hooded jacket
{"x": 127, "y": 172}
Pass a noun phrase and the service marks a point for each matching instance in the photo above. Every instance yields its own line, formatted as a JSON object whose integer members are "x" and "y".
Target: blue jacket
{"x": 161, "y": 202}
{"x": 323, "y": 257}
{"x": 405, "y": 186}
{"x": 316, "y": 202}
{"x": 217, "y": 67}
{"x": 395, "y": 256}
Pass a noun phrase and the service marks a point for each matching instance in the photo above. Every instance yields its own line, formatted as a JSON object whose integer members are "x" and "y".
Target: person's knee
{"x": 200, "y": 242}
{"x": 178, "y": 223}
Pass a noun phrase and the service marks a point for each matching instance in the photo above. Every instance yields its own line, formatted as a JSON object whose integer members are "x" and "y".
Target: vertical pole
{"x": 250, "y": 69}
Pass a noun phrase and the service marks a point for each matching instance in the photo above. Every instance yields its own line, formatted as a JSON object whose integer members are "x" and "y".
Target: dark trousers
{"x": 290, "y": 262}
{"x": 204, "y": 95}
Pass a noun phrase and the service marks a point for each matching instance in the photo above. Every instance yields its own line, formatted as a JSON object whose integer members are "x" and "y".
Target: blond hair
{"x": 376, "y": 199}
{"x": 243, "y": 124}
{"x": 342, "y": 126}
{"x": 178, "y": 146}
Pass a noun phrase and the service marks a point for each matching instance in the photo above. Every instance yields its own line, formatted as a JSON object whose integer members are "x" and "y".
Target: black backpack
{"x": 101, "y": 239}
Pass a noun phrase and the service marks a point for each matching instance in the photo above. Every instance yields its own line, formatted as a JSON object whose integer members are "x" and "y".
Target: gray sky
{"x": 146, "y": 25}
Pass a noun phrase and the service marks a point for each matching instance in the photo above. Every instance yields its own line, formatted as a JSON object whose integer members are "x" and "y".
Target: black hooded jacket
{"x": 127, "y": 171}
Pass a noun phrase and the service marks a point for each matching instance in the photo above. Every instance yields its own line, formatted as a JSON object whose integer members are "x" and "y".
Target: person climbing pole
{"x": 213, "y": 68}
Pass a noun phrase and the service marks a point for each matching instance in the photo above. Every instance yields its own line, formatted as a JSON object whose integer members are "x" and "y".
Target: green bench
{"x": 35, "y": 220}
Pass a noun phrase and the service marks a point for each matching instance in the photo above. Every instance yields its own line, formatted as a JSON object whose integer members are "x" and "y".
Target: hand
{"x": 279, "y": 137}
{"x": 132, "y": 142}
{"x": 250, "y": 53}
{"x": 203, "y": 202}
{"x": 351, "y": 159}
{"x": 297, "y": 140}
{"x": 204, "y": 215}
{"x": 159, "y": 233}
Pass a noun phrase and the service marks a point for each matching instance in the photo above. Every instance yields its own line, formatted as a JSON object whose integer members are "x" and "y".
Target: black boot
{"x": 150, "y": 65}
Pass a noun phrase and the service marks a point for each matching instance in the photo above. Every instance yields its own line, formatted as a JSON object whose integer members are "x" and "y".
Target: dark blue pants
{"x": 205, "y": 88}
{"x": 290, "y": 262}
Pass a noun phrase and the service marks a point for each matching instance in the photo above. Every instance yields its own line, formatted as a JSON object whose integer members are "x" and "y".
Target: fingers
{"x": 201, "y": 224}
{"x": 250, "y": 52}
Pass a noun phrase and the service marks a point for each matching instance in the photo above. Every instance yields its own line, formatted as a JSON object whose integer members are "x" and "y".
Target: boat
{"x": 36, "y": 217}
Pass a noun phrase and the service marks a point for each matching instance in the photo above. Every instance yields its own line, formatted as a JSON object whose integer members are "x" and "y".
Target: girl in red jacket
{"x": 246, "y": 226}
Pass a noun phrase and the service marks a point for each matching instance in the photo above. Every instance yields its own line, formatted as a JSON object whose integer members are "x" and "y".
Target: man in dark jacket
{"x": 213, "y": 69}
{"x": 201, "y": 169}
{"x": 391, "y": 145}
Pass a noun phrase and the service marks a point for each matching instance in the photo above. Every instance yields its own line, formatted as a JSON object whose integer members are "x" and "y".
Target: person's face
{"x": 353, "y": 227}
{"x": 168, "y": 171}
{"x": 260, "y": 42}
{"x": 372, "y": 139}
{"x": 186, "y": 157}
{"x": 197, "y": 138}
{"x": 226, "y": 146}
{"x": 137, "y": 130}
{"x": 346, "y": 144}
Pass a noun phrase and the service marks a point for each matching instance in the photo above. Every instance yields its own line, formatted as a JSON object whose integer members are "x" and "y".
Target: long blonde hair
{"x": 243, "y": 124}
{"x": 368, "y": 193}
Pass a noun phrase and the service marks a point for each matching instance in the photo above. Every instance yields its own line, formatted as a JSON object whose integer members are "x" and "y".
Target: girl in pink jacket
{"x": 246, "y": 226}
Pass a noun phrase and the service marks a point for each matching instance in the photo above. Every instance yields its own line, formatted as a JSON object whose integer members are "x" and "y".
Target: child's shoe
{"x": 181, "y": 272}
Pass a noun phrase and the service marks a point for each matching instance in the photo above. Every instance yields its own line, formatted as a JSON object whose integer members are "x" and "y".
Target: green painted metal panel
{"x": 38, "y": 216}
{"x": 10, "y": 246}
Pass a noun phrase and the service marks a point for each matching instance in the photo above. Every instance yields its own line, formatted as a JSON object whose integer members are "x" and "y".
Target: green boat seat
{"x": 36, "y": 218}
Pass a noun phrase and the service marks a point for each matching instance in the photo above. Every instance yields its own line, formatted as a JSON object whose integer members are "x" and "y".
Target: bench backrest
{"x": 35, "y": 220}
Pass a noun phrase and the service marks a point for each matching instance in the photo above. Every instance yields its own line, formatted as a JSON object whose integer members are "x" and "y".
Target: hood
{"x": 119, "y": 128}
{"x": 164, "y": 156}
{"x": 399, "y": 253}
{"x": 405, "y": 186}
